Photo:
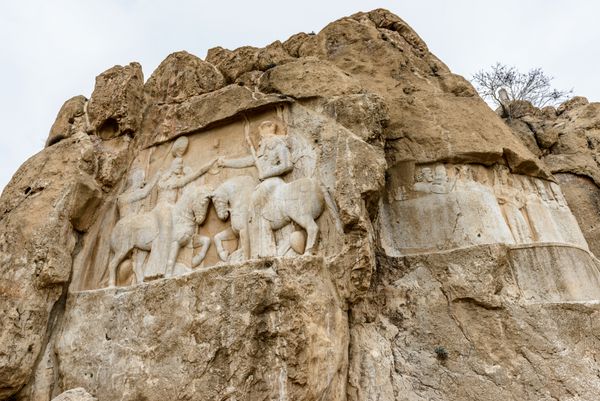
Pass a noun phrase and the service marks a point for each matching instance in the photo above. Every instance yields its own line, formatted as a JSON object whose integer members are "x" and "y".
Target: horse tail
{"x": 331, "y": 206}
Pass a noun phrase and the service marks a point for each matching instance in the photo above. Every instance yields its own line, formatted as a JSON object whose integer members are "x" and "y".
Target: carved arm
{"x": 140, "y": 193}
{"x": 246, "y": 161}
{"x": 183, "y": 181}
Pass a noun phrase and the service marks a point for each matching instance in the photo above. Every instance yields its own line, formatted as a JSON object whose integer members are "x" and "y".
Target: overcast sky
{"x": 53, "y": 50}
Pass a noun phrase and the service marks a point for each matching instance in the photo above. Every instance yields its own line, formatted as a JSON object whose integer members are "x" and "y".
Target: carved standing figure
{"x": 440, "y": 184}
{"x": 512, "y": 202}
{"x": 165, "y": 249}
{"x": 424, "y": 180}
{"x": 275, "y": 203}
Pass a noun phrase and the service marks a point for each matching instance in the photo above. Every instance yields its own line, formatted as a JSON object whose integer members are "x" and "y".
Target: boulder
{"x": 180, "y": 76}
{"x": 76, "y": 394}
{"x": 306, "y": 78}
{"x": 116, "y": 105}
{"x": 70, "y": 120}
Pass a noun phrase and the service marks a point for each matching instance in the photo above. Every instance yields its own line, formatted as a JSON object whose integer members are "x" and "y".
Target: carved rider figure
{"x": 130, "y": 203}
{"x": 176, "y": 177}
{"x": 272, "y": 159}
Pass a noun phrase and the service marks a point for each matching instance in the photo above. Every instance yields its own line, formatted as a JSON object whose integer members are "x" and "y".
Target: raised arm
{"x": 242, "y": 162}
{"x": 141, "y": 193}
{"x": 183, "y": 181}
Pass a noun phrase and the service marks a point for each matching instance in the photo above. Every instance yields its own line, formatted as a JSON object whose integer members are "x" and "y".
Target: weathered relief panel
{"x": 245, "y": 190}
{"x": 555, "y": 273}
{"x": 433, "y": 207}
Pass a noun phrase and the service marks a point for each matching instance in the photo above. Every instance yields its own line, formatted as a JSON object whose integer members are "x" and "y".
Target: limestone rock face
{"x": 115, "y": 107}
{"x": 70, "y": 120}
{"x": 567, "y": 140}
{"x": 182, "y": 75}
{"x": 76, "y": 394}
{"x": 308, "y": 77}
{"x": 332, "y": 217}
{"x": 48, "y": 203}
{"x": 277, "y": 329}
{"x": 167, "y": 121}
{"x": 457, "y": 326}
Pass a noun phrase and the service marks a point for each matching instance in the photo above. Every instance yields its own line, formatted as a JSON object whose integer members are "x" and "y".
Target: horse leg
{"x": 114, "y": 265}
{"x": 196, "y": 260}
{"x": 224, "y": 235}
{"x": 244, "y": 244}
{"x": 312, "y": 230}
{"x": 173, "y": 252}
{"x": 139, "y": 257}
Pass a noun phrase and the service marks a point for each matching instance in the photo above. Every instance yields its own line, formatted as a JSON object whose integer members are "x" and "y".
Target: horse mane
{"x": 232, "y": 184}
{"x": 193, "y": 192}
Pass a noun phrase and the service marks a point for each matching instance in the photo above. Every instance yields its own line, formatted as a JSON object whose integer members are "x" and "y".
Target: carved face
{"x": 177, "y": 166}
{"x": 222, "y": 207}
{"x": 426, "y": 174}
{"x": 503, "y": 176}
{"x": 267, "y": 128}
{"x": 440, "y": 174}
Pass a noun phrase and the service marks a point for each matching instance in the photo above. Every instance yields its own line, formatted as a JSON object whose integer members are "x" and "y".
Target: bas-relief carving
{"x": 275, "y": 203}
{"x": 169, "y": 226}
{"x": 448, "y": 206}
{"x": 267, "y": 206}
{"x": 511, "y": 198}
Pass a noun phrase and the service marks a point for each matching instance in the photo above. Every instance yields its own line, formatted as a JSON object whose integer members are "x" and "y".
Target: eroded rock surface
{"x": 70, "y": 120}
{"x": 116, "y": 105}
{"x": 332, "y": 217}
{"x": 76, "y": 394}
{"x": 277, "y": 329}
{"x": 566, "y": 139}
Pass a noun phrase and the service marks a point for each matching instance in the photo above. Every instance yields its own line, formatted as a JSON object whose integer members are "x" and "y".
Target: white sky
{"x": 53, "y": 50}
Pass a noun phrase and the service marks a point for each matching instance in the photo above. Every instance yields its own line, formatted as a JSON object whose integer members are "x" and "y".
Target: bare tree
{"x": 502, "y": 84}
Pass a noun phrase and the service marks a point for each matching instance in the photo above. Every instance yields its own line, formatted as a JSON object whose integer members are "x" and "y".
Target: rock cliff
{"x": 333, "y": 217}
{"x": 566, "y": 139}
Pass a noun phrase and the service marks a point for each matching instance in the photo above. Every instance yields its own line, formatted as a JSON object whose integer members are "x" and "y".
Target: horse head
{"x": 220, "y": 199}
{"x": 200, "y": 201}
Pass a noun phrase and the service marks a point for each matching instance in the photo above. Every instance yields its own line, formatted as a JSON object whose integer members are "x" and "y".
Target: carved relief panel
{"x": 444, "y": 206}
{"x": 246, "y": 190}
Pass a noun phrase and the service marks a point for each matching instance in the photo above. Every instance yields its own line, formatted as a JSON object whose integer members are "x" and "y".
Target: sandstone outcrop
{"x": 116, "y": 105}
{"x": 45, "y": 208}
{"x": 70, "y": 120}
{"x": 332, "y": 217}
{"x": 76, "y": 394}
{"x": 566, "y": 139}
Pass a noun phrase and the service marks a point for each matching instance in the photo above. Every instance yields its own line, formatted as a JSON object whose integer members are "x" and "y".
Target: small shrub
{"x": 441, "y": 353}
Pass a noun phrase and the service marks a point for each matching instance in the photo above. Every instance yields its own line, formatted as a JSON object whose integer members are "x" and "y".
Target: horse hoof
{"x": 309, "y": 251}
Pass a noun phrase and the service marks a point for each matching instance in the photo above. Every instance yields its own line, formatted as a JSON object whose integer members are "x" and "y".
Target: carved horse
{"x": 300, "y": 201}
{"x": 231, "y": 200}
{"x": 141, "y": 231}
